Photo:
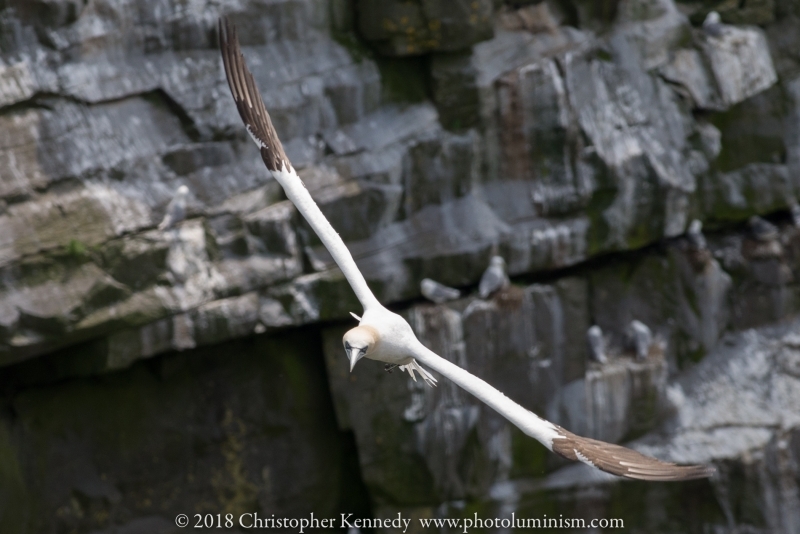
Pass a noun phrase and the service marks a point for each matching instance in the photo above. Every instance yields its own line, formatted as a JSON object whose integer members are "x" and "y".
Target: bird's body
{"x": 795, "y": 211}
{"x": 385, "y": 336}
{"x": 695, "y": 235}
{"x": 176, "y": 209}
{"x": 641, "y": 337}
{"x": 762, "y": 229}
{"x": 494, "y": 277}
{"x": 597, "y": 344}
{"x": 436, "y": 292}
{"x": 712, "y": 24}
{"x": 395, "y": 335}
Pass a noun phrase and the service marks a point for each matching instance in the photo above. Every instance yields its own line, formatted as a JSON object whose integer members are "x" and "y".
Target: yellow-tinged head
{"x": 359, "y": 342}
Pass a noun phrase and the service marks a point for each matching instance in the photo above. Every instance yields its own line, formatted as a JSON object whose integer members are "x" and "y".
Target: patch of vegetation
{"x": 76, "y": 249}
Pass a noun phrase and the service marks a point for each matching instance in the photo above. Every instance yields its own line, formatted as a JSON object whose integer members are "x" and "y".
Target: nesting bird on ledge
{"x": 387, "y": 337}
{"x": 494, "y": 278}
{"x": 176, "y": 209}
{"x": 437, "y": 292}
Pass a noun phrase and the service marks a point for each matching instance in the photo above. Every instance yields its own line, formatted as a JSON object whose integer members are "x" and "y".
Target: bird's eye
{"x": 363, "y": 351}
{"x": 346, "y": 345}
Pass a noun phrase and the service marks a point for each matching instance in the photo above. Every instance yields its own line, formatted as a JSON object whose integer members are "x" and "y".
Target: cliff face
{"x": 577, "y": 139}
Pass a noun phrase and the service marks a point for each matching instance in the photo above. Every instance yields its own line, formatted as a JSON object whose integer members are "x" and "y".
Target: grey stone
{"x": 655, "y": 26}
{"x": 129, "y": 451}
{"x": 715, "y": 74}
{"x": 412, "y": 28}
{"x": 554, "y": 135}
{"x": 613, "y": 401}
{"x": 455, "y": 90}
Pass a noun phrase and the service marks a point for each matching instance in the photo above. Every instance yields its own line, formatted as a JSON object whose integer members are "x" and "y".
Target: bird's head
{"x": 359, "y": 342}
{"x": 497, "y": 261}
{"x": 712, "y": 18}
{"x": 182, "y": 191}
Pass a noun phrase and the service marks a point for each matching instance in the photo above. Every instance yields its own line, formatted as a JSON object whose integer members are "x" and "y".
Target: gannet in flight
{"x": 436, "y": 292}
{"x": 597, "y": 345}
{"x": 387, "y": 337}
{"x": 176, "y": 209}
{"x": 494, "y": 277}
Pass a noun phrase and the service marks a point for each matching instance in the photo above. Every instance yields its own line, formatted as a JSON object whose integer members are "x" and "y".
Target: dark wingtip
{"x": 624, "y": 462}
{"x": 248, "y": 99}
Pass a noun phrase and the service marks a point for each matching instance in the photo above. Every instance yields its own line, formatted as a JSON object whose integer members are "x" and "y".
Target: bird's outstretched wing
{"x": 607, "y": 457}
{"x": 622, "y": 461}
{"x": 259, "y": 126}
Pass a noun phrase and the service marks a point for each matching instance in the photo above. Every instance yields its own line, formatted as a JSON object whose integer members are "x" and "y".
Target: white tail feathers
{"x": 426, "y": 376}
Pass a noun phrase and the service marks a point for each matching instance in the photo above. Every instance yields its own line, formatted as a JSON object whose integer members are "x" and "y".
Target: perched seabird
{"x": 641, "y": 338}
{"x": 695, "y": 235}
{"x": 712, "y": 24}
{"x": 597, "y": 345}
{"x": 176, "y": 209}
{"x": 436, "y": 292}
{"x": 385, "y": 336}
{"x": 795, "y": 210}
{"x": 762, "y": 229}
{"x": 494, "y": 277}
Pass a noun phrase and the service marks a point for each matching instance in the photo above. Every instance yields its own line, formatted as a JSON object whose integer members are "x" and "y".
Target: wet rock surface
{"x": 577, "y": 140}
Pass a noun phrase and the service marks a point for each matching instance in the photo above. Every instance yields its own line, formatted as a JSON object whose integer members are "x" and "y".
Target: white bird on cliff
{"x": 437, "y": 292}
{"x": 641, "y": 338}
{"x": 795, "y": 211}
{"x": 712, "y": 24}
{"x": 385, "y": 336}
{"x": 176, "y": 209}
{"x": 597, "y": 344}
{"x": 695, "y": 235}
{"x": 494, "y": 277}
{"x": 762, "y": 229}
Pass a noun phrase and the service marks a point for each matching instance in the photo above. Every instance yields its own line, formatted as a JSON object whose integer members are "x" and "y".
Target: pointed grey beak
{"x": 354, "y": 355}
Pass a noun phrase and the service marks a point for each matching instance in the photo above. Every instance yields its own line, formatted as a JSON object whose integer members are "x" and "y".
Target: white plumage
{"x": 712, "y": 24}
{"x": 795, "y": 210}
{"x": 176, "y": 209}
{"x": 597, "y": 344}
{"x": 494, "y": 277}
{"x": 437, "y": 292}
{"x": 695, "y": 235}
{"x": 385, "y": 336}
{"x": 641, "y": 338}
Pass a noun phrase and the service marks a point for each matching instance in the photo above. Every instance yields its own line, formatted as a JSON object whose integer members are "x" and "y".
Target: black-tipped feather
{"x": 248, "y": 99}
{"x": 622, "y": 461}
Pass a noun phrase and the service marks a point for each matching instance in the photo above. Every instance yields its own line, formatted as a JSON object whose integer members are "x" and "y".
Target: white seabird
{"x": 762, "y": 229}
{"x": 436, "y": 292}
{"x": 176, "y": 209}
{"x": 641, "y": 338}
{"x": 695, "y": 235}
{"x": 494, "y": 277}
{"x": 712, "y": 24}
{"x": 385, "y": 336}
{"x": 597, "y": 345}
{"x": 795, "y": 210}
